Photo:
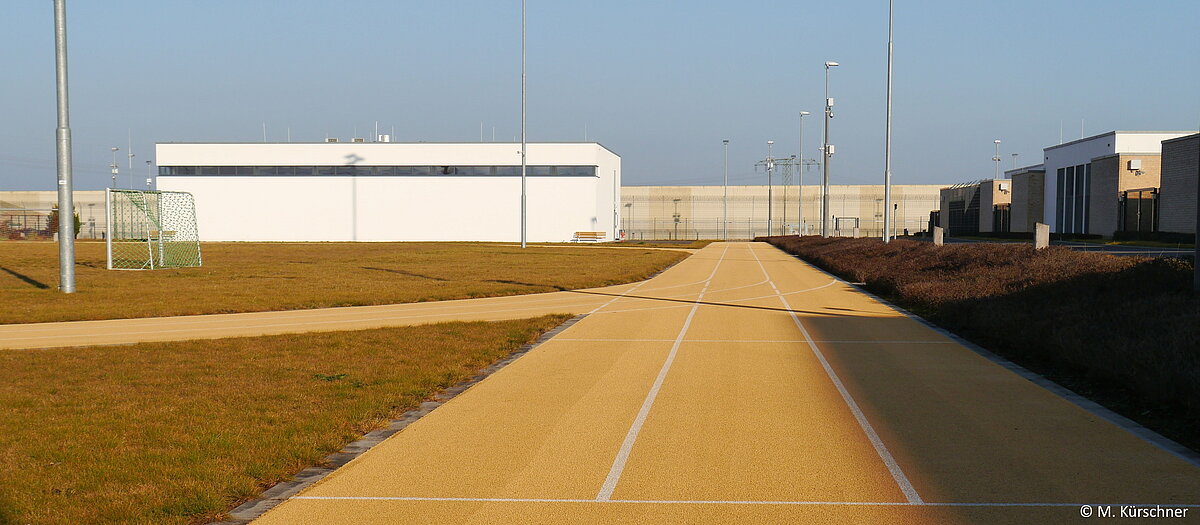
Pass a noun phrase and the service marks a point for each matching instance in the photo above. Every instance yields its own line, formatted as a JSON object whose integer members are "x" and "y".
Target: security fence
{"x": 704, "y": 212}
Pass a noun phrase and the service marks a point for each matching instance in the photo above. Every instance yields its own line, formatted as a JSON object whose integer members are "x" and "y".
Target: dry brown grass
{"x": 180, "y": 432}
{"x": 255, "y": 277}
{"x": 1121, "y": 330}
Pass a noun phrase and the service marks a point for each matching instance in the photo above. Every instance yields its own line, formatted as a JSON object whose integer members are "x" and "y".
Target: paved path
{"x": 745, "y": 386}
{"x": 123, "y": 331}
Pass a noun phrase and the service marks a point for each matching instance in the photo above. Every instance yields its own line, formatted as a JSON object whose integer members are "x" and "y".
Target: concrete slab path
{"x": 743, "y": 385}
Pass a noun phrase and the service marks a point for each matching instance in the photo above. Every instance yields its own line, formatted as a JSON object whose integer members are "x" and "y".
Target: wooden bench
{"x": 589, "y": 236}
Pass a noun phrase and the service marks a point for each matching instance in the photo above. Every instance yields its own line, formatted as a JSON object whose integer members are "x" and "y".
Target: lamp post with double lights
{"x": 113, "y": 167}
{"x": 996, "y": 159}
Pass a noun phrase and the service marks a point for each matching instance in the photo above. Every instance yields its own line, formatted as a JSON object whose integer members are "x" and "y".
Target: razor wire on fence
{"x": 151, "y": 229}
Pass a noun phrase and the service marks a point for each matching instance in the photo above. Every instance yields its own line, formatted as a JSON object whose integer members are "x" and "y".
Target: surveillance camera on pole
{"x": 827, "y": 152}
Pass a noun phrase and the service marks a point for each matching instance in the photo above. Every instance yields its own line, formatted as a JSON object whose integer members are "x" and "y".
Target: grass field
{"x": 1120, "y": 330}
{"x": 181, "y": 432}
{"x": 255, "y": 277}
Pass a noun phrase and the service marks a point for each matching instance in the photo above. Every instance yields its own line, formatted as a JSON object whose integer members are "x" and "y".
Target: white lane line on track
{"x": 856, "y": 342}
{"x": 910, "y": 492}
{"x": 618, "y": 466}
{"x": 745, "y": 502}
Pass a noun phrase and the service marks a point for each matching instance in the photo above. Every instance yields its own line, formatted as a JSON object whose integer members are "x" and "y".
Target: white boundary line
{"x": 856, "y": 342}
{"x": 910, "y": 492}
{"x": 618, "y": 466}
{"x": 746, "y": 502}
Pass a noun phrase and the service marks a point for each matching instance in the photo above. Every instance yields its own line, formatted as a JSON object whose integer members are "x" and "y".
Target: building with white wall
{"x": 385, "y": 191}
{"x": 1069, "y": 186}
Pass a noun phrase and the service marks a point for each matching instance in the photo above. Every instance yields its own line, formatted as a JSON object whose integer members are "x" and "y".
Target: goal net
{"x": 148, "y": 230}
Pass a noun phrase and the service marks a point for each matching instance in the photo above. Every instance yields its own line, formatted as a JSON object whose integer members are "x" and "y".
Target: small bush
{"x": 1123, "y": 330}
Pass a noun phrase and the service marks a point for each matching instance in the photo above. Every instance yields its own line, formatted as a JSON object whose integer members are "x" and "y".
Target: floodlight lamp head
{"x": 769, "y": 142}
{"x": 726, "y": 141}
{"x": 803, "y": 113}
{"x": 115, "y": 148}
{"x": 831, "y": 64}
{"x": 997, "y": 141}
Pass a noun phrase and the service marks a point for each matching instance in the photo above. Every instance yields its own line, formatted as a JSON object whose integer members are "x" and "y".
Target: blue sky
{"x": 660, "y": 83}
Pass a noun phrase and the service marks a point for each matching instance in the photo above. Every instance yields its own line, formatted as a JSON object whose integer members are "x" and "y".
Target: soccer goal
{"x": 148, "y": 230}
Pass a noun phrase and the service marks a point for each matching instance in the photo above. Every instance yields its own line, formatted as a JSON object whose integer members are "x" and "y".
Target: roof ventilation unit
{"x": 331, "y": 139}
{"x": 358, "y": 139}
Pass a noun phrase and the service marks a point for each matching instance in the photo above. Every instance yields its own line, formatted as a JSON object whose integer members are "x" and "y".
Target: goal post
{"x": 149, "y": 230}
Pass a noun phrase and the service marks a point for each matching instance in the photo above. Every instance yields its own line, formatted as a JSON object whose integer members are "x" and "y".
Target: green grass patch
{"x": 182, "y": 432}
{"x": 256, "y": 277}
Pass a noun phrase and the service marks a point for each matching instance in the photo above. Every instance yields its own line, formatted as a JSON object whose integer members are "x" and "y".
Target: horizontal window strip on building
{"x": 375, "y": 171}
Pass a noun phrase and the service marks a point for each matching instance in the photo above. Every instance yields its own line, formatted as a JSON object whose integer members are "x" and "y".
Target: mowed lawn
{"x": 181, "y": 432}
{"x": 255, "y": 277}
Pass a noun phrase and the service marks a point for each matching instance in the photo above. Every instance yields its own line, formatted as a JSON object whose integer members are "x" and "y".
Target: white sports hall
{"x": 392, "y": 191}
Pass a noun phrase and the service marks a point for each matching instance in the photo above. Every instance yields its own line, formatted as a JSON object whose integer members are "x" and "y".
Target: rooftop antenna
{"x": 1080, "y": 128}
{"x": 376, "y": 131}
{"x": 1060, "y": 131}
{"x": 481, "y": 131}
{"x": 289, "y": 134}
{"x": 264, "y": 131}
{"x": 585, "y": 132}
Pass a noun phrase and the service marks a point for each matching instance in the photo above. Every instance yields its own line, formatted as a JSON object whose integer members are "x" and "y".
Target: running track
{"x": 743, "y": 385}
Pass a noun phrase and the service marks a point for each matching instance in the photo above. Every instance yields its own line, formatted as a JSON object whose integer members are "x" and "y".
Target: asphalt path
{"x": 743, "y": 385}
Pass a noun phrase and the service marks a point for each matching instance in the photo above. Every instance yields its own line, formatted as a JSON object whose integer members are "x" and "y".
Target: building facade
{"x": 1069, "y": 171}
{"x": 976, "y": 207}
{"x": 1124, "y": 194}
{"x": 1180, "y": 171}
{"x": 1028, "y": 193}
{"x": 384, "y": 191}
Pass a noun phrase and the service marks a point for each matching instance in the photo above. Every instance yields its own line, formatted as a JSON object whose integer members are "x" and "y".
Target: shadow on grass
{"x": 27, "y": 279}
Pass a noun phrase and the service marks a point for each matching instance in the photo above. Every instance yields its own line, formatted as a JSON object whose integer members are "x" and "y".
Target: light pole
{"x": 523, "y": 145}
{"x": 66, "y": 204}
{"x": 629, "y": 219}
{"x": 725, "y": 201}
{"x": 675, "y": 216}
{"x": 770, "y": 199}
{"x": 149, "y": 177}
{"x": 113, "y": 166}
{"x": 827, "y": 153}
{"x": 996, "y": 159}
{"x": 131, "y": 167}
{"x": 800, "y": 168}
{"x": 1014, "y": 157}
{"x": 887, "y": 148}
